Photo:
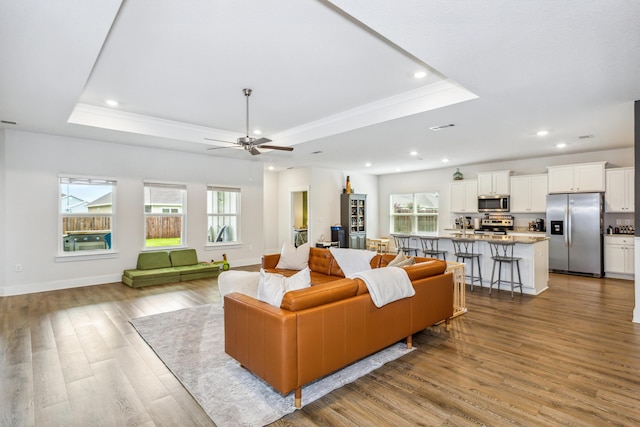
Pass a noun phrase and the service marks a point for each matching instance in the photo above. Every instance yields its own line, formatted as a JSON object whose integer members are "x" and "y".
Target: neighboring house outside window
{"x": 87, "y": 214}
{"x": 223, "y": 213}
{"x": 165, "y": 214}
{"x": 414, "y": 213}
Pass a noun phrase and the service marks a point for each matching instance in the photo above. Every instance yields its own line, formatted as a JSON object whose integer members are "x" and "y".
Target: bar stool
{"x": 430, "y": 247}
{"x": 465, "y": 249}
{"x": 403, "y": 243}
{"x": 502, "y": 253}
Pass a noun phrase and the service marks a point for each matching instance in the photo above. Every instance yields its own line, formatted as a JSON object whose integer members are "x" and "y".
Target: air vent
{"x": 316, "y": 152}
{"x": 585, "y": 137}
{"x": 435, "y": 128}
{"x": 7, "y": 122}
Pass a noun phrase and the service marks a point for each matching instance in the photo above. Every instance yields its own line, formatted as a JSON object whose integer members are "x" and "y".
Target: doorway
{"x": 300, "y": 216}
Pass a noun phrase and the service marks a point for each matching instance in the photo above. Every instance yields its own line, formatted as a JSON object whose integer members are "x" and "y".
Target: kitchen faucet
{"x": 464, "y": 226}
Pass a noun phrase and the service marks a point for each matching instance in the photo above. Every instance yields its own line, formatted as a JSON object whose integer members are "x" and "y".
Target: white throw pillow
{"x": 273, "y": 286}
{"x": 401, "y": 260}
{"x": 292, "y": 258}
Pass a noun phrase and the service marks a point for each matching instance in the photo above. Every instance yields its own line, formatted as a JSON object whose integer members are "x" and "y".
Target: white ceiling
{"x": 334, "y": 77}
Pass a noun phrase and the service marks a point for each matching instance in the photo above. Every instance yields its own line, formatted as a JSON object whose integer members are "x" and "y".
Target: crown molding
{"x": 433, "y": 96}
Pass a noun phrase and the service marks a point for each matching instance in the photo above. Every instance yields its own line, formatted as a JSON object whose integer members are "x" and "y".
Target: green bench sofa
{"x": 156, "y": 268}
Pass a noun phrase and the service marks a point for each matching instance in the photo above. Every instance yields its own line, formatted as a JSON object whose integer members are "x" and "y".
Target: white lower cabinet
{"x": 619, "y": 256}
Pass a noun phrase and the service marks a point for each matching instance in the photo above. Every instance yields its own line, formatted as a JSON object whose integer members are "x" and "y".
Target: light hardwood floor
{"x": 570, "y": 356}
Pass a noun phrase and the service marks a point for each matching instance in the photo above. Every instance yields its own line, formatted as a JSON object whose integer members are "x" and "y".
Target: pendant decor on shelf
{"x": 457, "y": 175}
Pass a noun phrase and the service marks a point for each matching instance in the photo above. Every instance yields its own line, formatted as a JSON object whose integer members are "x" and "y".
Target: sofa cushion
{"x": 158, "y": 272}
{"x": 319, "y": 295}
{"x": 272, "y": 286}
{"x": 183, "y": 257}
{"x": 148, "y": 281}
{"x": 320, "y": 260}
{"x": 153, "y": 260}
{"x": 198, "y": 271}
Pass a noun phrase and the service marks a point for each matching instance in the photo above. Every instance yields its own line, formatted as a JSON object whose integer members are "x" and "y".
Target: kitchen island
{"x": 533, "y": 252}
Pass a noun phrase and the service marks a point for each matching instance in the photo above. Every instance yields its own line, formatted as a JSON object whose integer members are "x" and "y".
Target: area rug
{"x": 190, "y": 342}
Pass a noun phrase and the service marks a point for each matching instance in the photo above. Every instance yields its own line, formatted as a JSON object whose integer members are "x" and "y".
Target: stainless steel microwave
{"x": 493, "y": 203}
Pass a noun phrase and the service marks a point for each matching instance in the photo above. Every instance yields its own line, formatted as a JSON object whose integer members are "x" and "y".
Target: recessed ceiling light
{"x": 542, "y": 133}
{"x": 367, "y": 164}
{"x": 111, "y": 102}
{"x": 271, "y": 168}
{"x": 445, "y": 160}
{"x": 257, "y": 132}
{"x": 420, "y": 74}
{"x": 561, "y": 145}
{"x": 413, "y": 153}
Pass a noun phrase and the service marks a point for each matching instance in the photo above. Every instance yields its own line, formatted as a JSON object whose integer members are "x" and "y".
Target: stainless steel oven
{"x": 493, "y": 203}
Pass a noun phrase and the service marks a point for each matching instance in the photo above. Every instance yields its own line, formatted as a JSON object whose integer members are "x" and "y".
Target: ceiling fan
{"x": 248, "y": 143}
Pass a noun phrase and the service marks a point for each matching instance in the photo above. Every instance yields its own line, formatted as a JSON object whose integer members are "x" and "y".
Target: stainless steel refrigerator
{"x": 574, "y": 228}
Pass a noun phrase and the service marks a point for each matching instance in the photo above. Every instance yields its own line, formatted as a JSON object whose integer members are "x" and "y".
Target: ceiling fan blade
{"x": 220, "y": 140}
{"x": 276, "y": 147}
{"x": 261, "y": 141}
{"x": 254, "y": 151}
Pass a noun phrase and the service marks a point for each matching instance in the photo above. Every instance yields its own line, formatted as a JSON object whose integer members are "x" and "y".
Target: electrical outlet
{"x": 618, "y": 222}
{"x": 18, "y": 267}
{"x": 250, "y": 247}
{"x": 627, "y": 222}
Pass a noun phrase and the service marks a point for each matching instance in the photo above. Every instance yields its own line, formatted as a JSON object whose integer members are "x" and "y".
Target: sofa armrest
{"x": 270, "y": 261}
{"x": 263, "y": 339}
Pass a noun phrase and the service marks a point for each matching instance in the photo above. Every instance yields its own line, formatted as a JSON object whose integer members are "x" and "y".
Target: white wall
{"x": 31, "y": 165}
{"x": 3, "y": 210}
{"x": 272, "y": 243}
{"x": 439, "y": 179}
{"x": 325, "y": 187}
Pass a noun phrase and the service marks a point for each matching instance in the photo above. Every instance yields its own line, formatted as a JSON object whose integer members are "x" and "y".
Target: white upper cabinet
{"x": 580, "y": 178}
{"x": 619, "y": 196}
{"x": 464, "y": 196}
{"x": 529, "y": 194}
{"x": 493, "y": 183}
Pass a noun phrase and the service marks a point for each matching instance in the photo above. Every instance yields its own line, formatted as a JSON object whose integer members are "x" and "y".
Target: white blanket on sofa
{"x": 386, "y": 284}
{"x": 352, "y": 261}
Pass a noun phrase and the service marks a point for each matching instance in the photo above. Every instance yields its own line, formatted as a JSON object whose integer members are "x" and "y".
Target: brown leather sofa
{"x": 333, "y": 323}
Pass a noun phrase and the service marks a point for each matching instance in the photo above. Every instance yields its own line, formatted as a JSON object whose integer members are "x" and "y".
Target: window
{"x": 414, "y": 213}
{"x": 165, "y": 214}
{"x": 223, "y": 212}
{"x": 87, "y": 207}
